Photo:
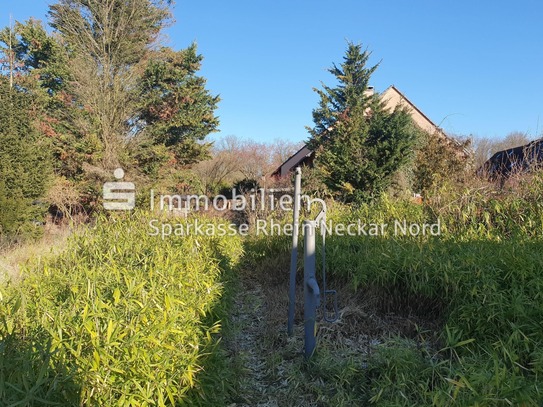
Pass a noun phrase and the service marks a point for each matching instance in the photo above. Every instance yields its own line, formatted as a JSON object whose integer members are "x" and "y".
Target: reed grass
{"x": 120, "y": 318}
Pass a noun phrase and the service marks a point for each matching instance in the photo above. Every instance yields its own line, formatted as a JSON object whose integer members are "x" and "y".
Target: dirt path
{"x": 248, "y": 323}
{"x": 274, "y": 372}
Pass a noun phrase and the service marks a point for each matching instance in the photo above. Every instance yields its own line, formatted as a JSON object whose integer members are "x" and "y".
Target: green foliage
{"x": 41, "y": 60}
{"x": 438, "y": 161}
{"x": 107, "y": 43}
{"x": 121, "y": 318}
{"x": 483, "y": 213}
{"x": 359, "y": 145}
{"x": 133, "y": 25}
{"x": 24, "y": 164}
{"x": 105, "y": 96}
{"x": 43, "y": 74}
{"x": 481, "y": 277}
{"x": 401, "y": 374}
{"x": 176, "y": 110}
{"x": 147, "y": 108}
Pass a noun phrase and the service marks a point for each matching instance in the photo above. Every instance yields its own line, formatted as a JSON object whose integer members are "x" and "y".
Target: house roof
{"x": 293, "y": 161}
{"x": 519, "y": 159}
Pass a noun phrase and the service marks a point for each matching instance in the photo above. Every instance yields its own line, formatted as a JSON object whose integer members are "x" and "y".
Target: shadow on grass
{"x": 223, "y": 370}
{"x": 28, "y": 375}
{"x": 218, "y": 381}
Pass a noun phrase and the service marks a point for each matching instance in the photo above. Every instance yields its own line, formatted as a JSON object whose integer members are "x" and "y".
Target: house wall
{"x": 393, "y": 98}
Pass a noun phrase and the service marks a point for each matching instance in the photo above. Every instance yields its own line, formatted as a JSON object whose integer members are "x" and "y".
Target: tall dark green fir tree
{"x": 176, "y": 112}
{"x": 24, "y": 165}
{"x": 358, "y": 144}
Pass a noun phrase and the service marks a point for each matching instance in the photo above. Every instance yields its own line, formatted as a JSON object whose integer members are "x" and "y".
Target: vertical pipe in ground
{"x": 294, "y": 253}
{"x": 311, "y": 289}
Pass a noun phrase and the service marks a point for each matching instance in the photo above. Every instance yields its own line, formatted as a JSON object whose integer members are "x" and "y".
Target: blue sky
{"x": 474, "y": 67}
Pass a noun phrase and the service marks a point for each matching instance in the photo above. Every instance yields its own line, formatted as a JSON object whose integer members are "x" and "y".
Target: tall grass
{"x": 482, "y": 278}
{"x": 120, "y": 318}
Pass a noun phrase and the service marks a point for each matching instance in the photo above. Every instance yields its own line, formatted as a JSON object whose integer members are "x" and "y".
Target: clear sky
{"x": 474, "y": 67}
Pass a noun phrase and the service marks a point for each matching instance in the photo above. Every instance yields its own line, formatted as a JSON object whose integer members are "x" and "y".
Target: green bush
{"x": 121, "y": 318}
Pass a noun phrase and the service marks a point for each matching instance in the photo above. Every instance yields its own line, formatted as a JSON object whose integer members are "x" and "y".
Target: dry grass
{"x": 275, "y": 372}
{"x": 14, "y": 258}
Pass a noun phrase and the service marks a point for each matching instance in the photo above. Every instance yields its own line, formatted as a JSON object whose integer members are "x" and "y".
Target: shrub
{"x": 120, "y": 319}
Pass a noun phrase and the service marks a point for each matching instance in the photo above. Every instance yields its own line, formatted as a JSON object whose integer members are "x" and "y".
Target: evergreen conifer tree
{"x": 359, "y": 145}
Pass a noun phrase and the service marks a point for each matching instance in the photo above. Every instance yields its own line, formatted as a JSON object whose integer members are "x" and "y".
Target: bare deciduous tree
{"x": 234, "y": 159}
{"x": 485, "y": 147}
